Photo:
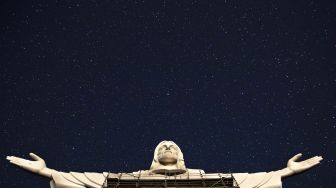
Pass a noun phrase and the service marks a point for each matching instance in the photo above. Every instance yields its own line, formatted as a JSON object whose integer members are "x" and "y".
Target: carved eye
{"x": 173, "y": 147}
{"x": 161, "y": 148}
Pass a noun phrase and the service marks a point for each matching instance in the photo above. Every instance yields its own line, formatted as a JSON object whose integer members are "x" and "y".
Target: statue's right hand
{"x": 36, "y": 166}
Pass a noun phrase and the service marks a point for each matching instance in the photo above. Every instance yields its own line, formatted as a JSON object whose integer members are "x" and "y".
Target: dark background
{"x": 240, "y": 86}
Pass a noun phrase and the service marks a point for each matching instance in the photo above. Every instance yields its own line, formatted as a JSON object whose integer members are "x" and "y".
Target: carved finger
{"x": 15, "y": 163}
{"x": 313, "y": 162}
{"x": 15, "y": 159}
{"x": 296, "y": 157}
{"x": 319, "y": 158}
{"x": 22, "y": 162}
{"x": 35, "y": 157}
{"x": 314, "y": 159}
{"x": 24, "y": 166}
{"x": 309, "y": 161}
{"x": 9, "y": 158}
{"x": 19, "y": 160}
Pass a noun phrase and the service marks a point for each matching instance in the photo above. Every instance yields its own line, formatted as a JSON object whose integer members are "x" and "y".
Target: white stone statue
{"x": 168, "y": 159}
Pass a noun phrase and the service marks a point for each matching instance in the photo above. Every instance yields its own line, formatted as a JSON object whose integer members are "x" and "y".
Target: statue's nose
{"x": 168, "y": 147}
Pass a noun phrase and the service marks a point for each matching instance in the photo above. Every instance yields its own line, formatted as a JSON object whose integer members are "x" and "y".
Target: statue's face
{"x": 167, "y": 153}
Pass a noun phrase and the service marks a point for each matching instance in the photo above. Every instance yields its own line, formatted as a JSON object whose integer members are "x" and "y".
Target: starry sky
{"x": 240, "y": 86}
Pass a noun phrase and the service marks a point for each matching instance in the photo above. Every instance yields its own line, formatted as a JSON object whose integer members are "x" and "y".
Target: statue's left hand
{"x": 301, "y": 166}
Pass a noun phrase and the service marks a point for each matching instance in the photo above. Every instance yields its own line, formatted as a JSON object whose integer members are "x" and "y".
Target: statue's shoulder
{"x": 141, "y": 172}
{"x": 193, "y": 171}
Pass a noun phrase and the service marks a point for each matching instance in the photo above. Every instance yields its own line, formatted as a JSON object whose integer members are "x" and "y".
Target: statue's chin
{"x": 168, "y": 159}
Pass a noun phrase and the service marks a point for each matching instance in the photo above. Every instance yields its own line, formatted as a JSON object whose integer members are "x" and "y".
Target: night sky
{"x": 240, "y": 86}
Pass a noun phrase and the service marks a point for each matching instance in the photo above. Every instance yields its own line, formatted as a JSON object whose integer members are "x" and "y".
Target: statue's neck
{"x": 168, "y": 170}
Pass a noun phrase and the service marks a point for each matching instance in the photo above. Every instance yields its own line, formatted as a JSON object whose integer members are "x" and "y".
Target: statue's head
{"x": 168, "y": 159}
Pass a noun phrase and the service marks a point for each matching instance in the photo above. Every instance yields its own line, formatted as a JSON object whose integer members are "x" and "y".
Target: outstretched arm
{"x": 59, "y": 179}
{"x": 36, "y": 166}
{"x": 294, "y": 167}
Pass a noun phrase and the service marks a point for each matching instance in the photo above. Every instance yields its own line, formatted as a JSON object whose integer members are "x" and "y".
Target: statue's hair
{"x": 180, "y": 161}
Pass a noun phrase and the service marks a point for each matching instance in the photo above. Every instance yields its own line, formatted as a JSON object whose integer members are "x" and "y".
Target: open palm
{"x": 301, "y": 166}
{"x": 34, "y": 166}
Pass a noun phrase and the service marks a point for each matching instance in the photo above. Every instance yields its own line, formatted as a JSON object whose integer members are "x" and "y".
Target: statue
{"x": 168, "y": 163}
